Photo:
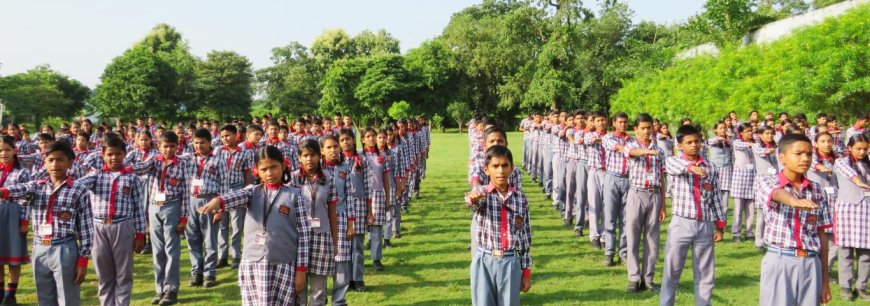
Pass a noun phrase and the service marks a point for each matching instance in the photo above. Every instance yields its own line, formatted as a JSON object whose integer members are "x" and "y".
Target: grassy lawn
{"x": 429, "y": 264}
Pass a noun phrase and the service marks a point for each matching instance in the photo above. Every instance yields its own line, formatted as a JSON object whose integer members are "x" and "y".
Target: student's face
{"x": 330, "y": 150}
{"x": 143, "y": 141}
{"x": 858, "y": 150}
{"x": 643, "y": 130}
{"x": 382, "y": 140}
{"x": 600, "y": 123}
{"x": 499, "y": 170}
{"x": 569, "y": 121}
{"x": 270, "y": 171}
{"x": 690, "y": 145}
{"x": 273, "y": 131}
{"x": 783, "y": 117}
{"x": 297, "y": 127}
{"x": 74, "y": 129}
{"x": 797, "y": 157}
{"x": 151, "y": 121}
{"x": 346, "y": 142}
{"x": 664, "y": 129}
{"x": 832, "y": 124}
{"x": 46, "y": 130}
{"x": 620, "y": 125}
{"x": 753, "y": 116}
{"x": 44, "y": 144}
{"x": 337, "y": 119}
{"x": 494, "y": 139}
{"x": 57, "y": 164}
{"x": 87, "y": 126}
{"x": 860, "y": 123}
{"x": 7, "y": 153}
{"x": 254, "y": 136}
{"x": 283, "y": 135}
{"x": 767, "y": 135}
{"x": 317, "y": 128}
{"x": 168, "y": 149}
{"x": 348, "y": 121}
{"x": 309, "y": 160}
{"x": 11, "y": 131}
{"x": 327, "y": 125}
{"x": 563, "y": 117}
{"x": 202, "y": 146}
{"x": 579, "y": 121}
{"x": 825, "y": 144}
{"x": 721, "y": 130}
{"x": 228, "y": 138}
{"x": 114, "y": 158}
{"x": 370, "y": 140}
{"x": 746, "y": 134}
{"x": 81, "y": 142}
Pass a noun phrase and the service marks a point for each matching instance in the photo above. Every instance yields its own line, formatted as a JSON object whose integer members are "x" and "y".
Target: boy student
{"x": 548, "y": 144}
{"x": 560, "y": 155}
{"x": 61, "y": 217}
{"x": 209, "y": 180}
{"x": 698, "y": 218}
{"x": 502, "y": 266}
{"x": 644, "y": 208}
{"x": 595, "y": 180}
{"x": 794, "y": 270}
{"x": 571, "y": 169}
{"x": 239, "y": 163}
{"x": 119, "y": 222}
{"x": 615, "y": 187}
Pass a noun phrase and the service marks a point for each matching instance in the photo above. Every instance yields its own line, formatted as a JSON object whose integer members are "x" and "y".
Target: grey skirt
{"x": 13, "y": 245}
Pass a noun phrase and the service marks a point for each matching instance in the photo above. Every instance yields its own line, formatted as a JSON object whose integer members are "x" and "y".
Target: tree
{"x": 728, "y": 20}
{"x": 432, "y": 68}
{"x": 385, "y": 80}
{"x": 367, "y": 43}
{"x": 459, "y": 112}
{"x": 137, "y": 84}
{"x": 42, "y": 92}
{"x": 338, "y": 86}
{"x": 292, "y": 83}
{"x": 168, "y": 44}
{"x": 330, "y": 46}
{"x": 399, "y": 110}
{"x": 224, "y": 84}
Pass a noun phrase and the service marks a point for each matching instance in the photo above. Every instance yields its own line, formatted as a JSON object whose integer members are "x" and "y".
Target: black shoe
{"x": 608, "y": 261}
{"x": 623, "y": 259}
{"x": 633, "y": 287}
{"x": 210, "y": 281}
{"x": 359, "y": 286}
{"x": 222, "y": 264}
{"x": 387, "y": 243}
{"x": 847, "y": 294}
{"x": 652, "y": 287}
{"x": 378, "y": 265}
{"x": 596, "y": 244}
{"x": 156, "y": 299}
{"x": 737, "y": 238}
{"x": 761, "y": 249}
{"x": 169, "y": 298}
{"x": 398, "y": 235}
{"x": 864, "y": 295}
{"x": 9, "y": 301}
{"x": 568, "y": 223}
{"x": 235, "y": 265}
{"x": 195, "y": 280}
{"x": 547, "y": 197}
{"x": 750, "y": 238}
{"x": 146, "y": 250}
{"x": 578, "y": 232}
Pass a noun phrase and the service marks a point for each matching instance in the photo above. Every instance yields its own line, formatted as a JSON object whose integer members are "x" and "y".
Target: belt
{"x": 204, "y": 196}
{"x": 616, "y": 174}
{"x": 56, "y": 241}
{"x": 108, "y": 221}
{"x": 646, "y": 190}
{"x": 168, "y": 201}
{"x": 496, "y": 253}
{"x": 792, "y": 252}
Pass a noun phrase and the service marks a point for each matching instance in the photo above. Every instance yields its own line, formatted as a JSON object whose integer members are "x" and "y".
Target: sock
{"x": 10, "y": 289}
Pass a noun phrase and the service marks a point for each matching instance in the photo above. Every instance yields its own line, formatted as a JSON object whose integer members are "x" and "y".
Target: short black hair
{"x": 114, "y": 142}
{"x": 686, "y": 130}
{"x": 169, "y": 136}
{"x": 254, "y": 127}
{"x": 643, "y": 117}
{"x": 788, "y": 139}
{"x": 494, "y": 129}
{"x": 230, "y": 128}
{"x": 202, "y": 133}
{"x": 62, "y": 147}
{"x": 499, "y": 151}
{"x": 621, "y": 115}
{"x": 45, "y": 137}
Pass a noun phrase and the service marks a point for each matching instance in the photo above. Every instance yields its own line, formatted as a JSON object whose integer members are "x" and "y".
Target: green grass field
{"x": 429, "y": 264}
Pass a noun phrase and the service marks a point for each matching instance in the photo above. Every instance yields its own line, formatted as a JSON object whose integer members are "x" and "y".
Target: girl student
{"x": 15, "y": 221}
{"x": 742, "y": 181}
{"x": 850, "y": 217}
{"x": 318, "y": 193}
{"x": 721, "y": 155}
{"x": 394, "y": 214}
{"x": 822, "y": 172}
{"x": 275, "y": 257}
{"x": 334, "y": 166}
{"x": 379, "y": 174}
{"x": 358, "y": 200}
{"x": 764, "y": 154}
{"x": 144, "y": 149}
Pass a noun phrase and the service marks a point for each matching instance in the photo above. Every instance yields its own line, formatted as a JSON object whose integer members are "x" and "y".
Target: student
{"x": 253, "y": 138}
{"x": 579, "y": 200}
{"x": 119, "y": 222}
{"x": 502, "y": 266}
{"x": 742, "y": 182}
{"x": 548, "y": 145}
{"x": 822, "y": 172}
{"x": 167, "y": 214}
{"x": 721, "y": 155}
{"x": 144, "y": 149}
{"x": 595, "y": 180}
{"x": 23, "y": 144}
{"x": 560, "y": 155}
{"x": 239, "y": 165}
{"x": 851, "y": 215}
{"x": 394, "y": 214}
{"x": 493, "y": 136}
{"x": 378, "y": 173}
{"x": 358, "y": 200}
{"x": 571, "y": 161}
{"x": 697, "y": 222}
{"x": 334, "y": 167}
{"x": 644, "y": 208}
{"x": 275, "y": 259}
{"x": 209, "y": 177}
{"x": 62, "y": 225}
{"x": 792, "y": 271}
{"x": 15, "y": 221}
{"x": 764, "y": 154}
{"x": 615, "y": 188}
{"x": 857, "y": 127}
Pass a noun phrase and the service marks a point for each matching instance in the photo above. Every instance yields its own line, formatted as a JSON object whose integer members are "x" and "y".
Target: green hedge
{"x": 823, "y": 68}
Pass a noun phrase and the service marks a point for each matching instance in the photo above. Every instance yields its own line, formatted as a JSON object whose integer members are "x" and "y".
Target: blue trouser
{"x": 230, "y": 243}
{"x": 340, "y": 283}
{"x": 54, "y": 269}
{"x": 394, "y": 221}
{"x": 201, "y": 240}
{"x": 357, "y": 257}
{"x": 376, "y": 236}
{"x": 165, "y": 245}
{"x": 615, "y": 194}
{"x": 495, "y": 281}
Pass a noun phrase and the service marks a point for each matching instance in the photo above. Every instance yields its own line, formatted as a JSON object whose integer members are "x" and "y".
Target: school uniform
{"x": 721, "y": 155}
{"x": 377, "y": 169}
{"x": 33, "y": 161}
{"x": 13, "y": 214}
{"x": 742, "y": 182}
{"x": 26, "y": 147}
{"x": 358, "y": 193}
{"x": 288, "y": 151}
{"x": 318, "y": 195}
{"x": 595, "y": 183}
{"x": 697, "y": 212}
{"x": 119, "y": 220}
{"x": 615, "y": 192}
{"x": 548, "y": 142}
{"x": 791, "y": 272}
{"x": 643, "y": 204}
{"x": 277, "y": 242}
{"x": 504, "y": 234}
{"x": 239, "y": 162}
{"x": 532, "y": 167}
{"x": 63, "y": 229}
{"x": 343, "y": 272}
{"x": 765, "y": 164}
{"x": 524, "y": 124}
{"x": 666, "y": 143}
{"x": 852, "y": 219}
{"x": 572, "y": 159}
{"x": 208, "y": 179}
{"x": 411, "y": 155}
{"x": 580, "y": 202}
{"x": 394, "y": 214}
{"x": 560, "y": 155}
{"x": 414, "y": 153}
{"x": 852, "y": 131}
{"x": 828, "y": 182}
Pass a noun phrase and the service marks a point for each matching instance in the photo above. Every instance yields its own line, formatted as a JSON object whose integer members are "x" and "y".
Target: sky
{"x": 79, "y": 38}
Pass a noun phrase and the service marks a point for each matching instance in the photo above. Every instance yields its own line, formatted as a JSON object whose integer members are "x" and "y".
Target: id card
{"x": 260, "y": 238}
{"x": 198, "y": 183}
{"x": 866, "y": 194}
{"x": 46, "y": 230}
{"x": 750, "y": 167}
{"x": 771, "y": 170}
{"x": 315, "y": 222}
{"x": 160, "y": 198}
{"x": 829, "y": 190}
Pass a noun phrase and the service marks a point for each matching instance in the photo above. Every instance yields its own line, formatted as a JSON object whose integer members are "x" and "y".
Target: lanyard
{"x": 163, "y": 177}
{"x": 201, "y": 166}
{"x": 267, "y": 209}
{"x": 312, "y": 190}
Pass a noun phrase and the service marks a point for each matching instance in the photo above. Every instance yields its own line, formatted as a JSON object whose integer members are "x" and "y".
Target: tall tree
{"x": 292, "y": 84}
{"x": 168, "y": 44}
{"x": 136, "y": 84}
{"x": 330, "y": 46}
{"x": 42, "y": 92}
{"x": 224, "y": 84}
{"x": 368, "y": 43}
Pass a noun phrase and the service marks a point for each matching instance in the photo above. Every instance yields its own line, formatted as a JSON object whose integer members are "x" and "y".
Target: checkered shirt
{"x": 93, "y": 161}
{"x": 172, "y": 177}
{"x": 852, "y": 219}
{"x": 579, "y": 147}
{"x": 26, "y": 147}
{"x": 14, "y": 176}
{"x": 615, "y": 162}
{"x": 503, "y": 221}
{"x": 785, "y": 226}
{"x": 693, "y": 196}
{"x": 344, "y": 245}
{"x": 358, "y": 205}
{"x": 115, "y": 196}
{"x": 645, "y": 171}
{"x": 35, "y": 160}
{"x": 212, "y": 170}
{"x": 238, "y": 162}
{"x": 560, "y": 145}
{"x": 70, "y": 210}
{"x": 594, "y": 151}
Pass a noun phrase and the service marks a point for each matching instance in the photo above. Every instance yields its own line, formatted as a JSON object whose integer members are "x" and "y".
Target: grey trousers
{"x": 54, "y": 270}
{"x": 570, "y": 190}
{"x": 642, "y": 227}
{"x": 547, "y": 166}
{"x": 580, "y": 203}
{"x": 759, "y": 227}
{"x": 165, "y": 245}
{"x": 340, "y": 283}
{"x": 849, "y": 258}
{"x": 743, "y": 209}
{"x": 595, "y": 186}
{"x": 357, "y": 257}
{"x": 317, "y": 288}
{"x": 615, "y": 193}
{"x": 376, "y": 236}
{"x": 526, "y": 153}
{"x": 112, "y": 253}
{"x": 559, "y": 183}
{"x": 394, "y": 221}
{"x": 683, "y": 234}
{"x": 230, "y": 239}
{"x": 495, "y": 281}
{"x": 202, "y": 242}
{"x": 788, "y": 280}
